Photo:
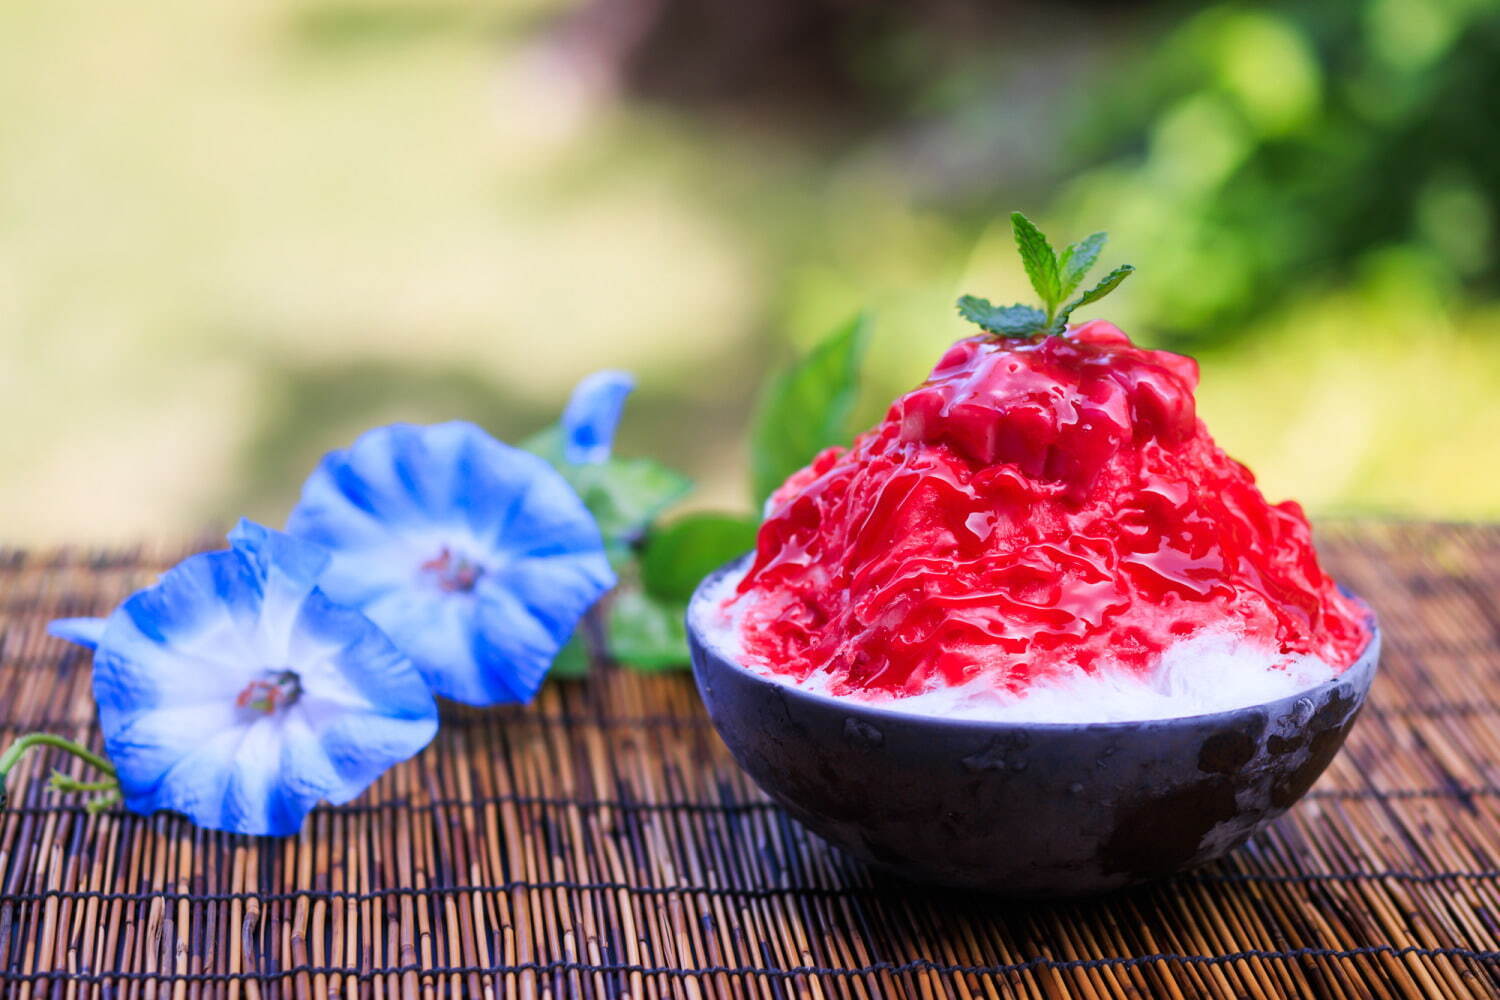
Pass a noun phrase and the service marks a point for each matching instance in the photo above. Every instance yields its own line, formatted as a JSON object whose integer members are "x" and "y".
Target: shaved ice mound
{"x": 1214, "y": 671}
{"x": 1042, "y": 531}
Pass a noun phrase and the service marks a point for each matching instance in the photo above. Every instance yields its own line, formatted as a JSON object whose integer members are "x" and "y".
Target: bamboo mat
{"x": 601, "y": 843}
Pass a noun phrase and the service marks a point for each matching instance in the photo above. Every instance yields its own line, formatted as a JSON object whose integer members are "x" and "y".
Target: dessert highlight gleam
{"x": 1044, "y": 531}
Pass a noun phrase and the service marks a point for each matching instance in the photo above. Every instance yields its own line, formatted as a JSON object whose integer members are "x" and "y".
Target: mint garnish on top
{"x": 1054, "y": 276}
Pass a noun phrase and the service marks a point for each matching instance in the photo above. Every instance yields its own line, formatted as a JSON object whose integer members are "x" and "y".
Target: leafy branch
{"x": 1054, "y": 276}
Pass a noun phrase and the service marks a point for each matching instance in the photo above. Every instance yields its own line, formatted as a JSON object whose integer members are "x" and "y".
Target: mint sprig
{"x": 1054, "y": 276}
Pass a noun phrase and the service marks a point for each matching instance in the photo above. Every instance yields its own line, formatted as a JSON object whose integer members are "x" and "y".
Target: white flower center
{"x": 277, "y": 690}
{"x": 455, "y": 574}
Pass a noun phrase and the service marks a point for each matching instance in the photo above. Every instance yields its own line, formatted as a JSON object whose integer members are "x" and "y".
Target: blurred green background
{"x": 234, "y": 233}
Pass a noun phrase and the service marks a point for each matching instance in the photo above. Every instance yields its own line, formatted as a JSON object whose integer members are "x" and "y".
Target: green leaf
{"x": 1040, "y": 260}
{"x": 573, "y": 659}
{"x": 647, "y": 634}
{"x": 1009, "y": 321}
{"x": 626, "y": 496}
{"x": 678, "y": 556}
{"x": 1107, "y": 284}
{"x": 1076, "y": 261}
{"x": 547, "y": 443}
{"x": 806, "y": 408}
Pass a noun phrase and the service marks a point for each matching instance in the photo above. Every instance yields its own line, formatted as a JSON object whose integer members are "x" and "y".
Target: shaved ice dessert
{"x": 1042, "y": 531}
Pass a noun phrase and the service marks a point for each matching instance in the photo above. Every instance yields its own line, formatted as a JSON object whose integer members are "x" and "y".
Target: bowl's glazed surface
{"x": 1025, "y": 809}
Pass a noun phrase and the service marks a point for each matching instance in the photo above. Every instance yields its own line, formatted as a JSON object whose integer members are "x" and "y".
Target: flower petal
{"x": 355, "y": 746}
{"x": 342, "y": 658}
{"x": 189, "y": 640}
{"x": 154, "y": 742}
{"x": 263, "y": 794}
{"x": 437, "y": 633}
{"x": 516, "y": 643}
{"x": 396, "y": 475}
{"x": 592, "y": 414}
{"x": 85, "y": 632}
{"x": 546, "y": 519}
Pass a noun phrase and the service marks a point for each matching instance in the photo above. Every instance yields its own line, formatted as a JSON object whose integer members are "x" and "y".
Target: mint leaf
{"x": 1107, "y": 284}
{"x": 679, "y": 556}
{"x": 646, "y": 633}
{"x": 1040, "y": 261}
{"x": 1008, "y": 321}
{"x": 805, "y": 408}
{"x": 1054, "y": 279}
{"x": 1076, "y": 261}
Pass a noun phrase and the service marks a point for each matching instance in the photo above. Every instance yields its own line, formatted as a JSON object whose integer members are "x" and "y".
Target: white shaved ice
{"x": 1207, "y": 672}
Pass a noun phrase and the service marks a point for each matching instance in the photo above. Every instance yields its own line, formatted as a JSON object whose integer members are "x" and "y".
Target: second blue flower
{"x": 476, "y": 558}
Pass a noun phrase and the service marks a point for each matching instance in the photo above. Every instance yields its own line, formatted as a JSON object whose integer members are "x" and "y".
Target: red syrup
{"x": 1036, "y": 508}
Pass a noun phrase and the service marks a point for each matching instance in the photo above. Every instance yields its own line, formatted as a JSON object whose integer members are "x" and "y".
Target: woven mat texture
{"x": 601, "y": 843}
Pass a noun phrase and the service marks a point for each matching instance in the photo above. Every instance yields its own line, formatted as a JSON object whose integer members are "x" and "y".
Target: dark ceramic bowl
{"x": 1021, "y": 808}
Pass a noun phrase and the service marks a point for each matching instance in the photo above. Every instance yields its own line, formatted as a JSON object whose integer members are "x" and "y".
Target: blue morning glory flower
{"x": 235, "y": 692}
{"x": 476, "y": 558}
{"x": 592, "y": 414}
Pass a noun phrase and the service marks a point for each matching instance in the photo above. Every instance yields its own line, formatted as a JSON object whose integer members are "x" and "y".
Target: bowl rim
{"x": 1366, "y": 662}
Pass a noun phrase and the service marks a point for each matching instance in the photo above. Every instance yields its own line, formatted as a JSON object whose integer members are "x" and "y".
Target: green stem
{"x": 11, "y": 757}
{"x": 102, "y": 803}
{"x": 60, "y": 782}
